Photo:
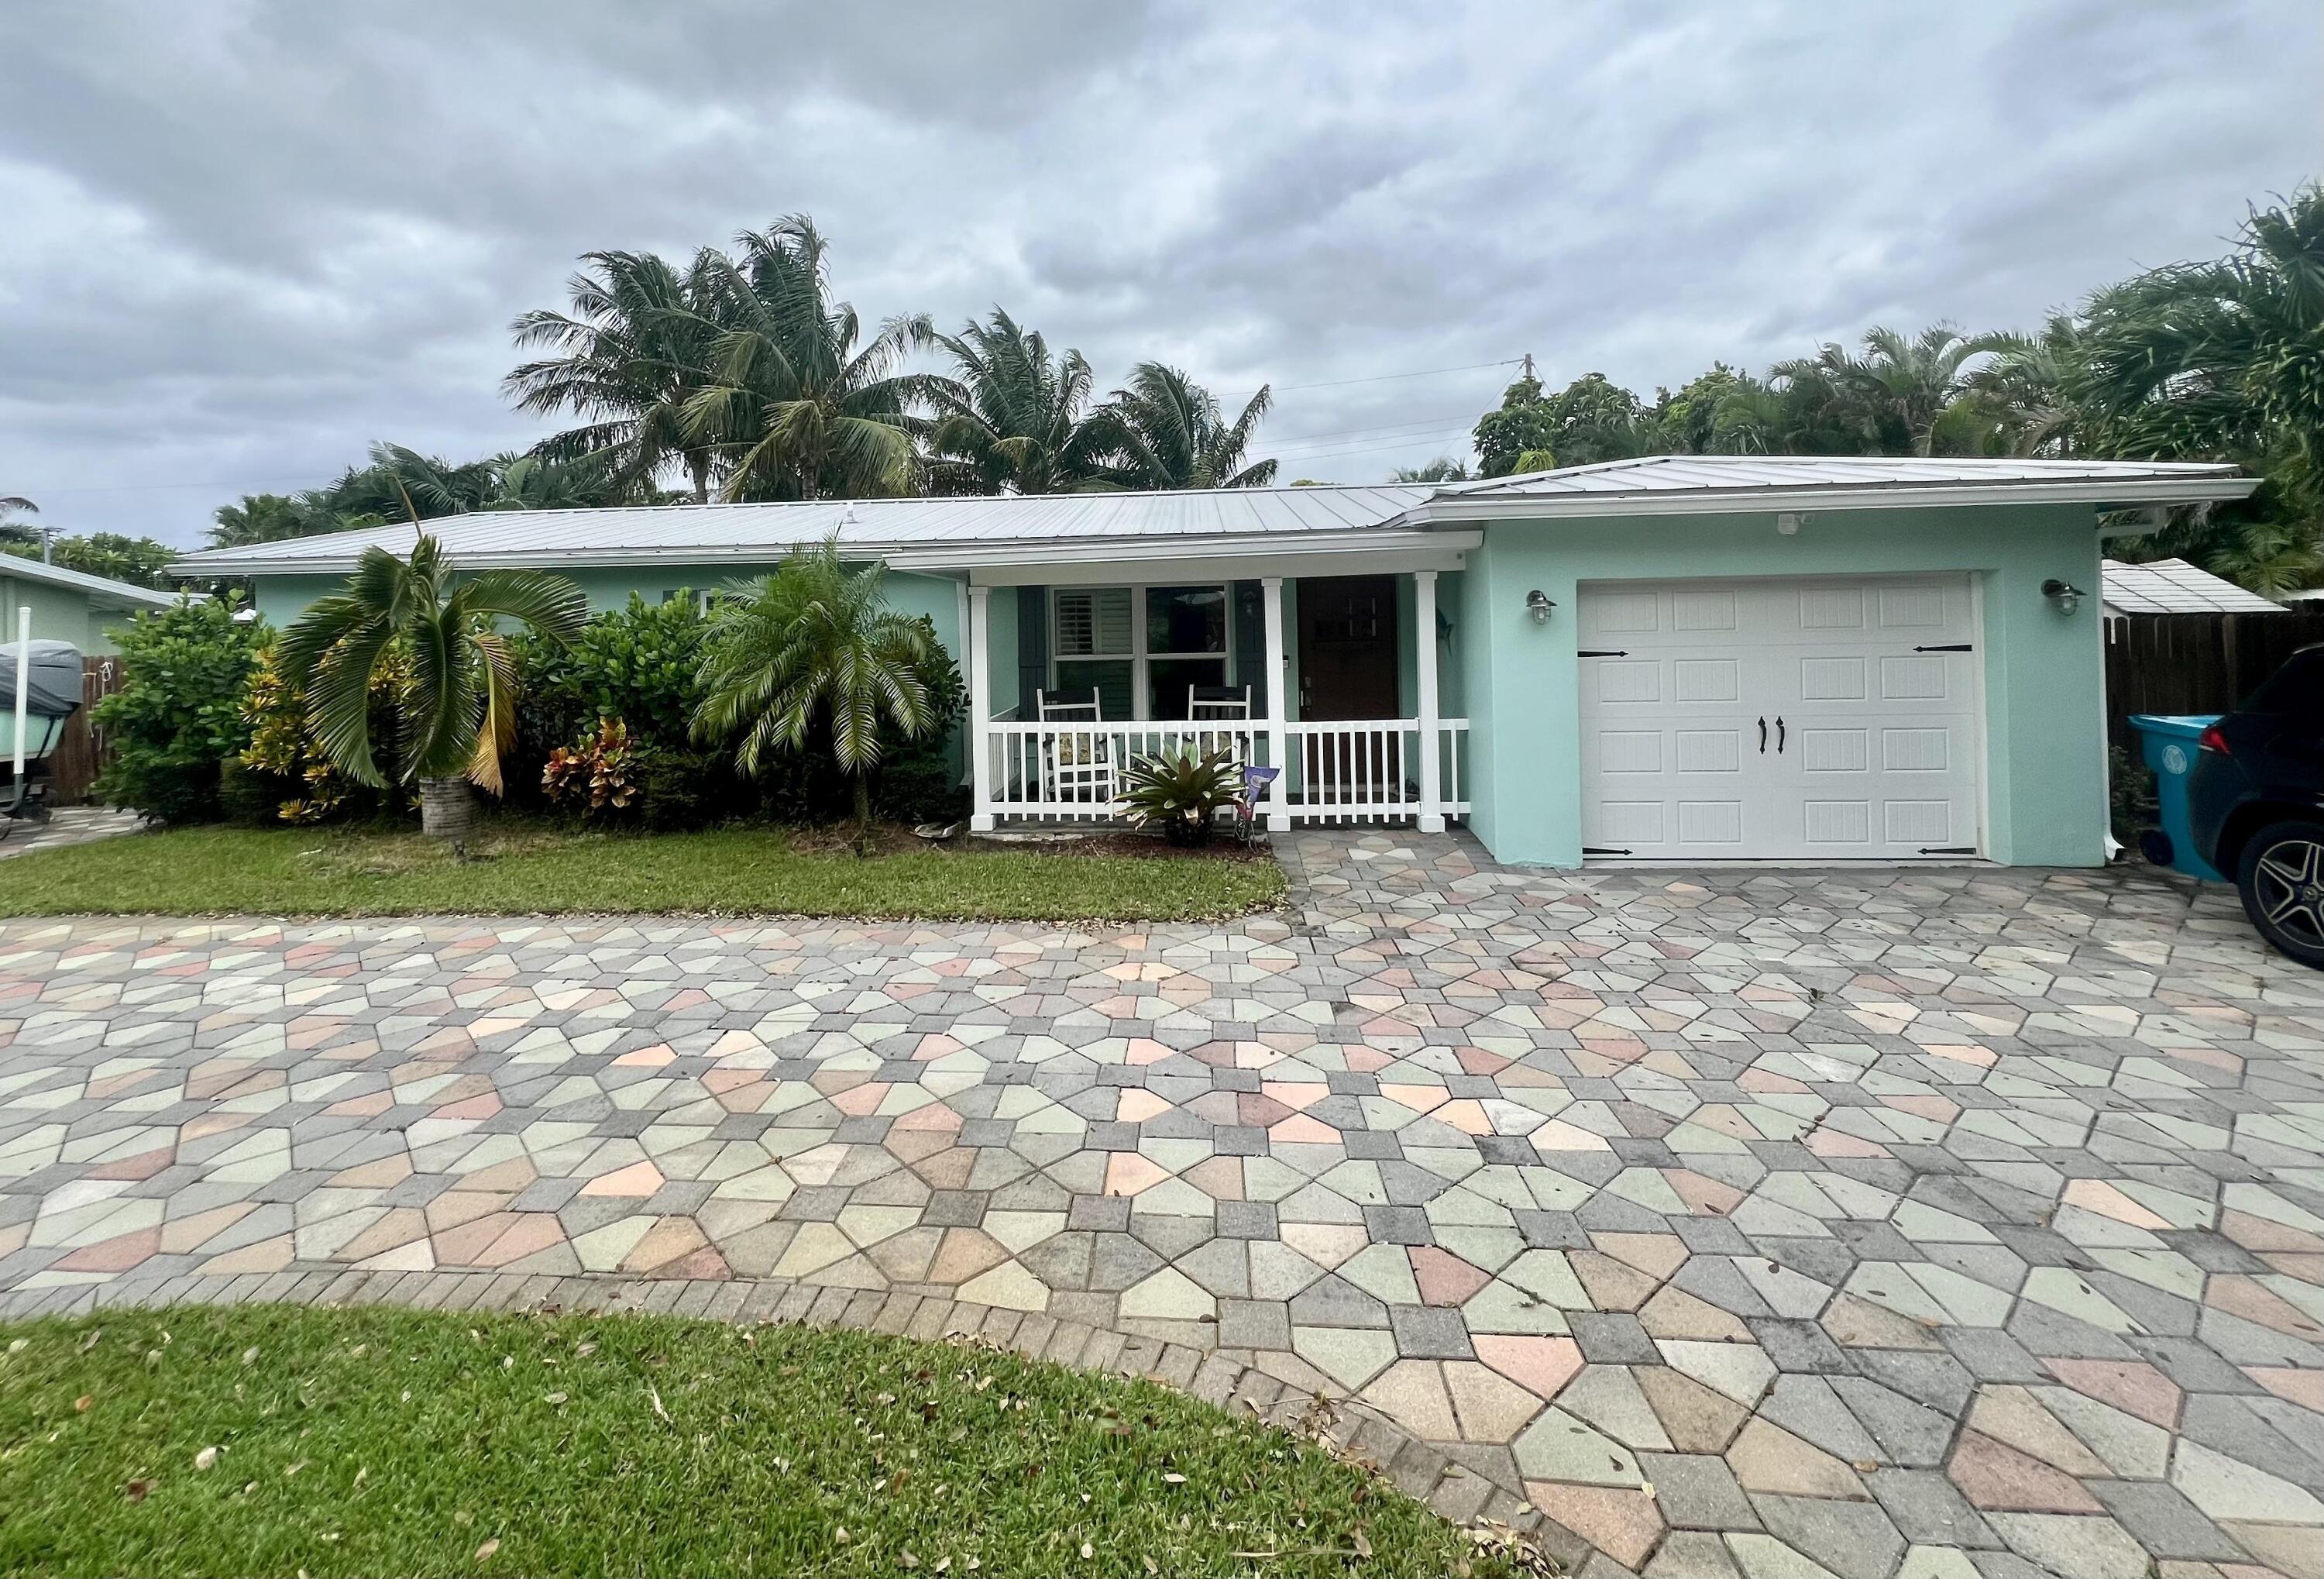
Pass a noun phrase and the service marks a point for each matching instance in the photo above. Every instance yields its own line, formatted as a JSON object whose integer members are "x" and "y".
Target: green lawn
{"x": 272, "y": 1440}
{"x": 527, "y": 871}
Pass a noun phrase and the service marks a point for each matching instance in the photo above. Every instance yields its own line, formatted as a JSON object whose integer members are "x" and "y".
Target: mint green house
{"x": 1679, "y": 659}
{"x": 69, "y": 605}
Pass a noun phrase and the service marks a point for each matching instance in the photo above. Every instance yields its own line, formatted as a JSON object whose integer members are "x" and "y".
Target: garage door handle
{"x": 1779, "y": 735}
{"x": 1763, "y": 736}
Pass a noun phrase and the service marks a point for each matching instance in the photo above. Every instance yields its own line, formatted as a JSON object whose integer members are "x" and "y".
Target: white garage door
{"x": 1823, "y": 718}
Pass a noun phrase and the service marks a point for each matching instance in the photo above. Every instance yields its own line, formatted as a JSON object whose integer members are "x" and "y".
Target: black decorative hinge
{"x": 1618, "y": 653}
{"x": 1948, "y": 647}
{"x": 1948, "y": 849}
{"x": 1602, "y": 850}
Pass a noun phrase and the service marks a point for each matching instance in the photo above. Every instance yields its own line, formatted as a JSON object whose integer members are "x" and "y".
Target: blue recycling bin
{"x": 2168, "y": 740}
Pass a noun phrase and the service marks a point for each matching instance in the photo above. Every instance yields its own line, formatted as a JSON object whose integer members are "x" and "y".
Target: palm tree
{"x": 2214, "y": 359}
{"x": 815, "y": 646}
{"x": 1012, "y": 418}
{"x": 1901, "y": 397}
{"x": 1166, "y": 432}
{"x": 17, "y": 531}
{"x": 458, "y": 707}
{"x": 635, "y": 345}
{"x": 795, "y": 408}
{"x": 1443, "y": 469}
{"x": 2025, "y": 388}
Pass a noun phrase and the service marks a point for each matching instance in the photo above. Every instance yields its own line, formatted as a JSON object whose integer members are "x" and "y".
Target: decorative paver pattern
{"x": 1758, "y": 1224}
{"x": 69, "y": 825}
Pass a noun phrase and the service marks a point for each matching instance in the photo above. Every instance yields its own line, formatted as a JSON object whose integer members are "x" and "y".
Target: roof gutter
{"x": 2110, "y": 494}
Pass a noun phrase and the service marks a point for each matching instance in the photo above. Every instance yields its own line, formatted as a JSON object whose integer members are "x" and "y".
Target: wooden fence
{"x": 80, "y": 754}
{"x": 2195, "y": 663}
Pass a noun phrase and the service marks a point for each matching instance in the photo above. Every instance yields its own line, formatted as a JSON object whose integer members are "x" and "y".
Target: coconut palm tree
{"x": 795, "y": 409}
{"x": 815, "y": 646}
{"x": 634, "y": 346}
{"x": 458, "y": 709}
{"x": 1166, "y": 432}
{"x": 1012, "y": 418}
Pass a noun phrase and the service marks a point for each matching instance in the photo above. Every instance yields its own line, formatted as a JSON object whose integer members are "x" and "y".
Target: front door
{"x": 1347, "y": 647}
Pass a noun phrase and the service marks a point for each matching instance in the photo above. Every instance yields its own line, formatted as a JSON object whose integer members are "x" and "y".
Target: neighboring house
{"x": 70, "y": 606}
{"x": 2173, "y": 587}
{"x": 1688, "y": 657}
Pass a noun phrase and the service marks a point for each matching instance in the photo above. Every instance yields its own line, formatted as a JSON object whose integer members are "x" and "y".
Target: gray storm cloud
{"x": 239, "y": 239}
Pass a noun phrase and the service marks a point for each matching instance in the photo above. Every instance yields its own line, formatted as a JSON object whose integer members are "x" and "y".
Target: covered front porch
{"x": 1336, "y": 667}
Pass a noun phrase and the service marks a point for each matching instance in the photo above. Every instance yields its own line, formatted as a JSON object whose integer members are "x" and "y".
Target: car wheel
{"x": 2281, "y": 879}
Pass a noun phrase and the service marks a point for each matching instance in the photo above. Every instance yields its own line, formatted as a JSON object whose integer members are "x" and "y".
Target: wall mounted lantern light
{"x": 2063, "y": 595}
{"x": 1539, "y": 604}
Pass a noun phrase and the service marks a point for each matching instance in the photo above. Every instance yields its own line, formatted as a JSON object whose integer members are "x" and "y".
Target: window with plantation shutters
{"x": 1093, "y": 623}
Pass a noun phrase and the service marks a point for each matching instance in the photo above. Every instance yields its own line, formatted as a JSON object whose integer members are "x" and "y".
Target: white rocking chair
{"x": 1079, "y": 765}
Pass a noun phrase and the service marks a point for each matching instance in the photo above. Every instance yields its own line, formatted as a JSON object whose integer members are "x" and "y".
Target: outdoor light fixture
{"x": 1788, "y": 523}
{"x": 2063, "y": 595}
{"x": 1538, "y": 604}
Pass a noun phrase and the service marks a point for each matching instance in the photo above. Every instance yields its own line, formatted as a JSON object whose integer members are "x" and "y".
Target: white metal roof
{"x": 2173, "y": 587}
{"x": 954, "y": 528}
{"x": 1663, "y": 484}
{"x": 100, "y": 589}
{"x": 768, "y": 531}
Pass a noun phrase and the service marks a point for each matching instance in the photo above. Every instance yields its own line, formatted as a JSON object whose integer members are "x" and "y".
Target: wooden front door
{"x": 1347, "y": 647}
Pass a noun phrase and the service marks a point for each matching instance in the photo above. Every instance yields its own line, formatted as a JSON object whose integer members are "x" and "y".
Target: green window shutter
{"x": 1032, "y": 646}
{"x": 1251, "y": 644}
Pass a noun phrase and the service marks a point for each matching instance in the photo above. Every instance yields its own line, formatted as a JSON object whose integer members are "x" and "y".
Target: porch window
{"x": 1140, "y": 647}
{"x": 1095, "y": 647}
{"x": 1185, "y": 645}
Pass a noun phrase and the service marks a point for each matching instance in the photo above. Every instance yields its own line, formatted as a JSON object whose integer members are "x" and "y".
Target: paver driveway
{"x": 1927, "y": 1222}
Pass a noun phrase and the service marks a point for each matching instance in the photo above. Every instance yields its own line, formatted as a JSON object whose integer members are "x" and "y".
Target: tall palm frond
{"x": 1168, "y": 431}
{"x": 635, "y": 344}
{"x": 1011, "y": 418}
{"x": 796, "y": 408}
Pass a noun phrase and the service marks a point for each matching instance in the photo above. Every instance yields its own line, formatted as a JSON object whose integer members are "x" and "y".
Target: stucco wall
{"x": 2044, "y": 673}
{"x": 59, "y": 614}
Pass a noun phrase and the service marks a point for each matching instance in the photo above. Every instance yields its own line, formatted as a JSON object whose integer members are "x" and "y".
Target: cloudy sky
{"x": 240, "y": 239}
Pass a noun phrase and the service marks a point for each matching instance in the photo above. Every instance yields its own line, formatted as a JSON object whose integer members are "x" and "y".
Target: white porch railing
{"x": 1345, "y": 770}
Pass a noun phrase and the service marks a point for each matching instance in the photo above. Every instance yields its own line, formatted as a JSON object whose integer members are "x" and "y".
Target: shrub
{"x": 680, "y": 790}
{"x": 638, "y": 664}
{"x": 283, "y": 758}
{"x": 596, "y": 773}
{"x": 1181, "y": 789}
{"x": 178, "y": 713}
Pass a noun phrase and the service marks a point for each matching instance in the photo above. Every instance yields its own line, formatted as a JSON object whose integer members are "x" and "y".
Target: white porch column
{"x": 1423, "y": 620}
{"x": 979, "y": 706}
{"x": 1278, "y": 705}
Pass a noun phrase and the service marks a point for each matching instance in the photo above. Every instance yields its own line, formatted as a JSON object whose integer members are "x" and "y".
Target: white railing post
{"x": 980, "y": 705}
{"x": 1424, "y": 620}
{"x": 1278, "y": 707}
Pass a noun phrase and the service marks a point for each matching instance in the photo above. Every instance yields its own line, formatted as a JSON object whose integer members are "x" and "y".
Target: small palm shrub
{"x": 1181, "y": 791}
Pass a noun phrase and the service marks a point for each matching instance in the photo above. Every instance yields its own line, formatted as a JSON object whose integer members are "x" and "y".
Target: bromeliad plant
{"x": 458, "y": 711}
{"x": 1181, "y": 790}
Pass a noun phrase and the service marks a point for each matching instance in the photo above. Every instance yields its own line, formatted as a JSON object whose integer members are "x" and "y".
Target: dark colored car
{"x": 2256, "y": 801}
